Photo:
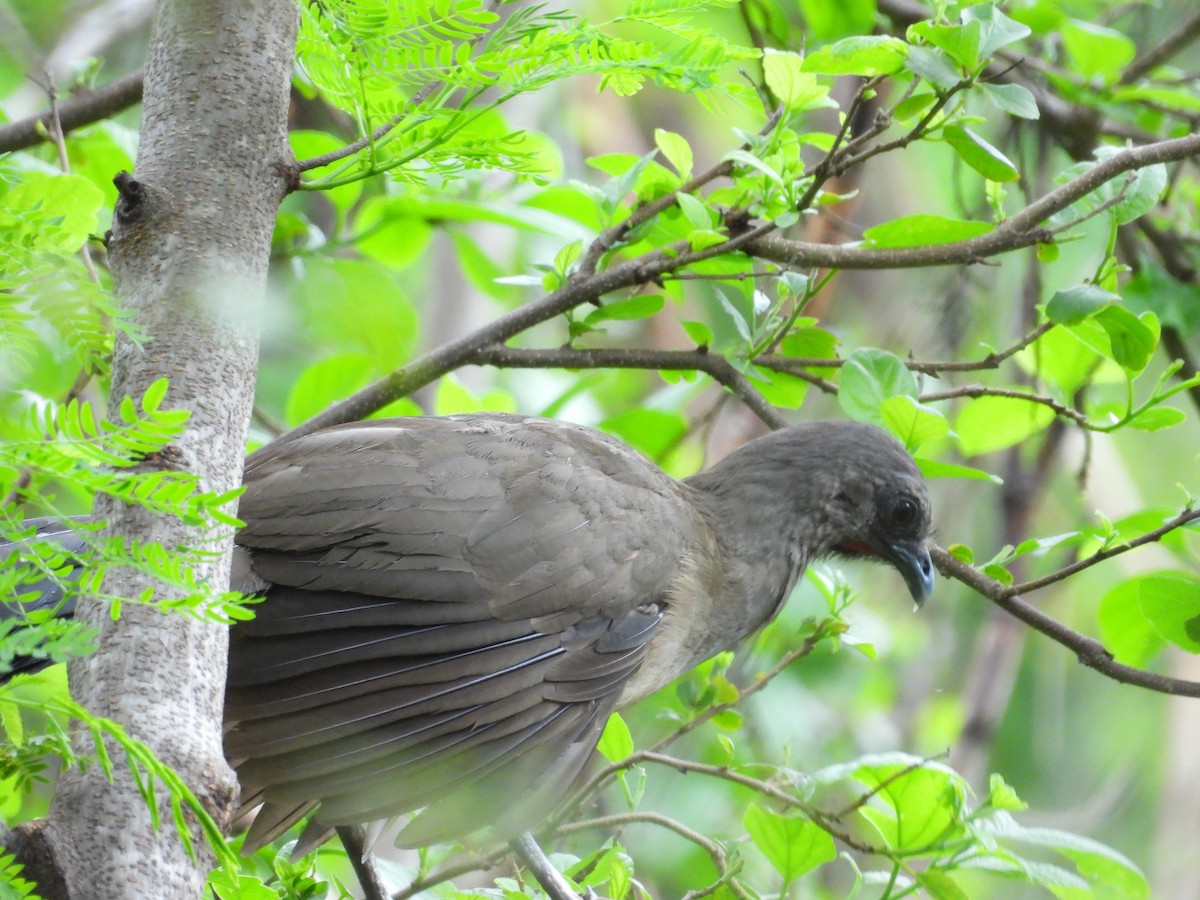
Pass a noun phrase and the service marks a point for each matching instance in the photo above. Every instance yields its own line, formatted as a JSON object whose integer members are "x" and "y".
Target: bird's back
{"x": 456, "y": 606}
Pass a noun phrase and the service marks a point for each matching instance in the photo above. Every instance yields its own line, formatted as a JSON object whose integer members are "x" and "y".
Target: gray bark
{"x": 190, "y": 264}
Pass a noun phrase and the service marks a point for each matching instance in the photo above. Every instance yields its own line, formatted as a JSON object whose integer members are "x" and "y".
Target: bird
{"x": 451, "y": 607}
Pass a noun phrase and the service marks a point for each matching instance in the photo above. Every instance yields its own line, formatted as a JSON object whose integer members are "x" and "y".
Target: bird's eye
{"x": 904, "y": 514}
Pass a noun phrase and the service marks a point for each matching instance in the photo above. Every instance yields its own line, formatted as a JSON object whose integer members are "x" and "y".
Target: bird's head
{"x": 831, "y": 489}
{"x": 875, "y": 504}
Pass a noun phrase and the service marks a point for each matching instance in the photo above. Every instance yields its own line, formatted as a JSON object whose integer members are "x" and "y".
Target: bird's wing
{"x": 456, "y": 606}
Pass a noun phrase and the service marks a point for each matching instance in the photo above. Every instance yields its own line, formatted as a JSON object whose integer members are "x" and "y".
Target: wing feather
{"x": 457, "y": 606}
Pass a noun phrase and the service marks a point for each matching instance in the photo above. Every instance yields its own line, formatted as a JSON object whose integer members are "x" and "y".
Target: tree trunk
{"x": 189, "y": 249}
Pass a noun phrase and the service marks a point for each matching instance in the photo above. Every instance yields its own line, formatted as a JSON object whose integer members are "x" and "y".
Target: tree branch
{"x": 1150, "y": 537}
{"x": 1087, "y": 650}
{"x": 81, "y": 108}
{"x": 712, "y": 364}
{"x": 366, "y": 869}
{"x": 979, "y": 390}
{"x": 714, "y": 849}
{"x": 1176, "y": 40}
{"x": 1022, "y": 230}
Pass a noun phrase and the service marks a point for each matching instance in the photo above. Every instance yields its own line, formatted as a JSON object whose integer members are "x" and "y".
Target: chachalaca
{"x": 453, "y": 606}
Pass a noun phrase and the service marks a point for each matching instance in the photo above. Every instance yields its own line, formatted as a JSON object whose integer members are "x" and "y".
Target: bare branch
{"x": 82, "y": 108}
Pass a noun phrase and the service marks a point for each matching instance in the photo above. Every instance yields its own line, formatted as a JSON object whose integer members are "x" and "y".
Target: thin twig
{"x": 553, "y": 882}
{"x": 1020, "y": 230}
{"x": 612, "y": 236}
{"x": 1177, "y": 39}
{"x": 478, "y": 863}
{"x": 764, "y": 788}
{"x": 325, "y": 159}
{"x": 978, "y": 390}
{"x": 1150, "y": 537}
{"x": 712, "y": 364}
{"x": 1088, "y": 651}
{"x": 365, "y": 867}
{"x": 714, "y": 849}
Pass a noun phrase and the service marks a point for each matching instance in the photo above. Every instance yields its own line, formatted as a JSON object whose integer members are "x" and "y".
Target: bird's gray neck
{"x": 762, "y": 549}
{"x": 751, "y": 542}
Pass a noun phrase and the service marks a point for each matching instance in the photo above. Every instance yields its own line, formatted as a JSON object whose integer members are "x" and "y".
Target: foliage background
{"x": 371, "y": 273}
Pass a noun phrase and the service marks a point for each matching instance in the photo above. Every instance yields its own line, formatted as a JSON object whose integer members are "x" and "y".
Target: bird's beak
{"x": 913, "y": 562}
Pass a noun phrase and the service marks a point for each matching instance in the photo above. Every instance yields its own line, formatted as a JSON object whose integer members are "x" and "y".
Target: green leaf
{"x": 987, "y": 424}
{"x": 868, "y": 378}
{"x": 61, "y": 209}
{"x": 155, "y": 394}
{"x": 1002, "y": 796}
{"x": 1171, "y": 603}
{"x": 453, "y": 397}
{"x": 934, "y": 66}
{"x": 866, "y": 55}
{"x": 780, "y": 388}
{"x": 749, "y": 159}
{"x": 1140, "y": 193}
{"x": 810, "y": 343}
{"x": 1174, "y": 302}
{"x": 1124, "y": 628}
{"x": 916, "y": 230}
{"x": 392, "y": 238}
{"x": 1078, "y": 302}
{"x": 960, "y": 42}
{"x": 831, "y": 19}
{"x": 909, "y": 109}
{"x": 1158, "y": 417}
{"x": 1133, "y": 340}
{"x": 935, "y": 468}
{"x": 792, "y": 845}
{"x": 640, "y": 307}
{"x": 1062, "y": 358}
{"x": 1094, "y": 51}
{"x": 940, "y": 886}
{"x": 1101, "y": 865}
{"x": 353, "y": 305}
{"x": 676, "y": 149}
{"x": 653, "y": 431}
{"x": 699, "y": 332}
{"x": 694, "y": 210}
{"x": 1013, "y": 99}
{"x": 1179, "y": 99}
{"x": 996, "y": 29}
{"x": 327, "y": 381}
{"x": 979, "y": 154}
{"x": 796, "y": 89}
{"x": 913, "y": 422}
{"x": 616, "y": 743}
{"x": 926, "y": 803}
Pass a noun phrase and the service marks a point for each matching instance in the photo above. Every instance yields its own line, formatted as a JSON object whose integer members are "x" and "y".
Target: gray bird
{"x": 453, "y": 606}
